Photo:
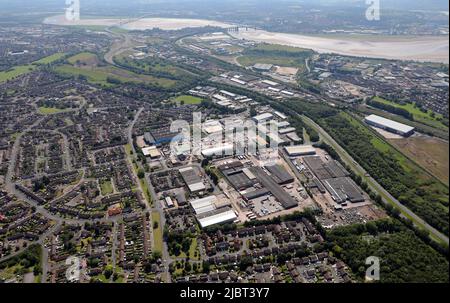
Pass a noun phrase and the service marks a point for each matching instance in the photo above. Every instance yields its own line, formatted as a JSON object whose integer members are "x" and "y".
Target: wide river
{"x": 426, "y": 48}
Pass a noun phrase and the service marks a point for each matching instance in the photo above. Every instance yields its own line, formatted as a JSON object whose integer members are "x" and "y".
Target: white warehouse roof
{"x": 263, "y": 117}
{"x": 222, "y": 217}
{"x": 299, "y": 150}
{"x": 225, "y": 149}
{"x": 204, "y": 205}
{"x": 402, "y": 128}
{"x": 280, "y": 115}
{"x": 271, "y": 83}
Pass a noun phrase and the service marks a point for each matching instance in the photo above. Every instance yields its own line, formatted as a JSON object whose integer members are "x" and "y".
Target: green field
{"x": 429, "y": 152}
{"x": 252, "y": 60}
{"x": 82, "y": 57}
{"x": 91, "y": 27}
{"x": 146, "y": 192}
{"x": 25, "y": 69}
{"x": 155, "y": 67}
{"x": 157, "y": 233}
{"x": 419, "y": 116}
{"x": 50, "y": 59}
{"x": 193, "y": 250}
{"x": 107, "y": 75}
{"x": 106, "y": 188}
{"x": 281, "y": 48}
{"x": 100, "y": 75}
{"x": 16, "y": 71}
{"x": 186, "y": 99}
{"x": 50, "y": 110}
{"x": 280, "y": 55}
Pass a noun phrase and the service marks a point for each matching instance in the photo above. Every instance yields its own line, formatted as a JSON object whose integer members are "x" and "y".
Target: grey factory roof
{"x": 343, "y": 189}
{"x": 325, "y": 170}
{"x": 238, "y": 179}
{"x": 256, "y": 194}
{"x": 279, "y": 174}
{"x": 193, "y": 181}
{"x": 279, "y": 193}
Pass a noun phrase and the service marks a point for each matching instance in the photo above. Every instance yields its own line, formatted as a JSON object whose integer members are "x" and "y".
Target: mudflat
{"x": 426, "y": 48}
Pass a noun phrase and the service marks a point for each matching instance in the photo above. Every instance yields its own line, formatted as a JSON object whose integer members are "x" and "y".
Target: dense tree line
{"x": 178, "y": 242}
{"x": 30, "y": 258}
{"x": 403, "y": 256}
{"x": 424, "y": 195}
{"x": 392, "y": 109}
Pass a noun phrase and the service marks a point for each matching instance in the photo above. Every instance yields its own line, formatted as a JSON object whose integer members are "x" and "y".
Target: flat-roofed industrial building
{"x": 209, "y": 212}
{"x": 390, "y": 125}
{"x": 192, "y": 180}
{"x": 300, "y": 150}
{"x": 276, "y": 190}
{"x": 219, "y": 216}
{"x": 151, "y": 152}
{"x": 219, "y": 151}
{"x": 280, "y": 174}
{"x": 256, "y": 194}
{"x": 325, "y": 170}
{"x": 343, "y": 189}
{"x": 335, "y": 178}
{"x": 238, "y": 176}
{"x": 204, "y": 205}
{"x": 263, "y": 117}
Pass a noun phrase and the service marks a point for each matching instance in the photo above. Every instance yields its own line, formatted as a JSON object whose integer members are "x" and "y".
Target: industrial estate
{"x": 152, "y": 150}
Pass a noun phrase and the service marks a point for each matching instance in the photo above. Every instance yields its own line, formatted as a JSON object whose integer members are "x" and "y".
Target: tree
{"x": 187, "y": 267}
{"x": 206, "y": 267}
{"x": 246, "y": 261}
{"x": 108, "y": 272}
{"x": 141, "y": 173}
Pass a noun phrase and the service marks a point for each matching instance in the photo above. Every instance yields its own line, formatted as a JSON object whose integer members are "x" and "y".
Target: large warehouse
{"x": 335, "y": 178}
{"x": 390, "y": 125}
{"x": 280, "y": 174}
{"x": 343, "y": 189}
{"x": 237, "y": 175}
{"x": 209, "y": 212}
{"x": 192, "y": 179}
{"x": 300, "y": 150}
{"x": 219, "y": 151}
{"x": 276, "y": 190}
{"x": 263, "y": 118}
{"x": 218, "y": 216}
{"x": 204, "y": 205}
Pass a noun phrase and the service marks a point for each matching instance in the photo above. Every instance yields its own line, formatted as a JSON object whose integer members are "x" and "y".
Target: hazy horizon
{"x": 403, "y": 5}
